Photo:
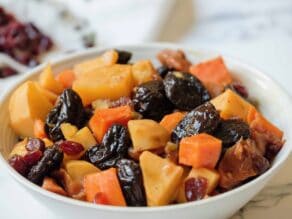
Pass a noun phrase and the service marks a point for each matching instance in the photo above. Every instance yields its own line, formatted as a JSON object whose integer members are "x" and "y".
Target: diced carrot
{"x": 257, "y": 121}
{"x": 66, "y": 78}
{"x": 51, "y": 185}
{"x": 213, "y": 74}
{"x": 105, "y": 182}
{"x": 170, "y": 121}
{"x": 200, "y": 150}
{"x": 103, "y": 119}
{"x": 39, "y": 129}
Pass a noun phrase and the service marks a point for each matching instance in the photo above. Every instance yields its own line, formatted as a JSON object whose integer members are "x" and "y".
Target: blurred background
{"x": 32, "y": 31}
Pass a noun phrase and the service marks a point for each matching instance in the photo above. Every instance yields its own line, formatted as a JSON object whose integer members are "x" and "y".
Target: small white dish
{"x": 274, "y": 103}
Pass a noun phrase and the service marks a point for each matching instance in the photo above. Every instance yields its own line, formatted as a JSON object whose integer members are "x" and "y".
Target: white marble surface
{"x": 257, "y": 31}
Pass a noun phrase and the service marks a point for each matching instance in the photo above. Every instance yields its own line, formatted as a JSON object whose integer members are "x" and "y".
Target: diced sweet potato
{"x": 231, "y": 105}
{"x": 103, "y": 119}
{"x": 110, "y": 82}
{"x": 170, "y": 121}
{"x": 147, "y": 134}
{"x": 143, "y": 71}
{"x": 240, "y": 162}
{"x": 200, "y": 150}
{"x": 39, "y": 129}
{"x": 51, "y": 185}
{"x": 213, "y": 74}
{"x": 105, "y": 182}
{"x": 66, "y": 78}
{"x": 48, "y": 81}
{"x": 161, "y": 178}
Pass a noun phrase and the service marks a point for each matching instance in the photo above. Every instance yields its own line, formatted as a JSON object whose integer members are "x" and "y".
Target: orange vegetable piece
{"x": 103, "y": 119}
{"x": 66, "y": 78}
{"x": 51, "y": 185}
{"x": 106, "y": 183}
{"x": 213, "y": 74}
{"x": 170, "y": 121}
{"x": 200, "y": 150}
{"x": 39, "y": 129}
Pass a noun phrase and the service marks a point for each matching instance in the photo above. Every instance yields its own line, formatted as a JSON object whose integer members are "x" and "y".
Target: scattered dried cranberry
{"x": 195, "y": 188}
{"x": 239, "y": 88}
{"x": 100, "y": 198}
{"x": 7, "y": 72}
{"x": 71, "y": 147}
{"x": 34, "y": 144}
{"x": 19, "y": 164}
{"x": 31, "y": 158}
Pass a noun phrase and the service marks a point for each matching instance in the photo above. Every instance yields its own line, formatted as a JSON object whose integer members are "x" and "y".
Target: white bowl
{"x": 274, "y": 103}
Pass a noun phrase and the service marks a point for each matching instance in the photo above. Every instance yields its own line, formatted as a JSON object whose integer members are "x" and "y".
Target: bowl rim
{"x": 189, "y": 49}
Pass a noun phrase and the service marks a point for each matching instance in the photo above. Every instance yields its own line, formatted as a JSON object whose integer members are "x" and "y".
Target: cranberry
{"x": 239, "y": 88}
{"x": 31, "y": 158}
{"x": 195, "y": 188}
{"x": 6, "y": 72}
{"x": 71, "y": 147}
{"x": 100, "y": 198}
{"x": 34, "y": 144}
{"x": 19, "y": 164}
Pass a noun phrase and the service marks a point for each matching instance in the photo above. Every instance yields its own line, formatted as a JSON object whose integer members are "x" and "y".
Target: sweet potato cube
{"x": 170, "y": 121}
{"x": 161, "y": 178}
{"x": 105, "y": 182}
{"x": 200, "y": 150}
{"x": 143, "y": 71}
{"x": 231, "y": 105}
{"x": 110, "y": 82}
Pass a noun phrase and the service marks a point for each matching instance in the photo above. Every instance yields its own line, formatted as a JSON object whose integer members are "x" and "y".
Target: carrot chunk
{"x": 106, "y": 183}
{"x": 39, "y": 129}
{"x": 200, "y": 150}
{"x": 103, "y": 119}
{"x": 66, "y": 78}
{"x": 170, "y": 121}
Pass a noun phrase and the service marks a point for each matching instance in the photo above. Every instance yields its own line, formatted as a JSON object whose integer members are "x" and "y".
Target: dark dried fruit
{"x": 131, "y": 181}
{"x": 50, "y": 161}
{"x": 114, "y": 146}
{"x": 231, "y": 130}
{"x": 174, "y": 59}
{"x": 195, "y": 188}
{"x": 150, "y": 100}
{"x": 19, "y": 164}
{"x": 184, "y": 90}
{"x": 163, "y": 70}
{"x": 124, "y": 56}
{"x": 238, "y": 88}
{"x": 31, "y": 158}
{"x": 71, "y": 147}
{"x": 34, "y": 144}
{"x": 204, "y": 118}
{"x": 7, "y": 72}
{"x": 68, "y": 109}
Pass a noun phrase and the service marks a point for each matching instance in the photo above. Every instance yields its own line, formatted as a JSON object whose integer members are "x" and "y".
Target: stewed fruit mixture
{"x": 114, "y": 132}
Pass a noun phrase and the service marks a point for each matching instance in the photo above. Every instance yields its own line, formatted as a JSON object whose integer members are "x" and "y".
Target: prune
{"x": 131, "y": 181}
{"x": 114, "y": 146}
{"x": 195, "y": 188}
{"x": 68, "y": 109}
{"x": 204, "y": 118}
{"x": 184, "y": 90}
{"x": 50, "y": 161}
{"x": 35, "y": 144}
{"x": 124, "y": 56}
{"x": 163, "y": 70}
{"x": 150, "y": 100}
{"x": 231, "y": 130}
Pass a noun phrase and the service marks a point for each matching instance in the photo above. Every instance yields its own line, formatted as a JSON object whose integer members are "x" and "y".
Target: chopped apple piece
{"x": 161, "y": 178}
{"x": 19, "y": 148}
{"x": 27, "y": 104}
{"x": 48, "y": 142}
{"x": 48, "y": 81}
{"x": 143, "y": 71}
{"x": 147, "y": 134}
{"x": 68, "y": 130}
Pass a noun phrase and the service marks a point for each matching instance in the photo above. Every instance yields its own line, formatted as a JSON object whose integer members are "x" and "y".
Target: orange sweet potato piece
{"x": 170, "y": 121}
{"x": 39, "y": 129}
{"x": 213, "y": 74}
{"x": 66, "y": 78}
{"x": 200, "y": 150}
{"x": 105, "y": 118}
{"x": 51, "y": 185}
{"x": 105, "y": 182}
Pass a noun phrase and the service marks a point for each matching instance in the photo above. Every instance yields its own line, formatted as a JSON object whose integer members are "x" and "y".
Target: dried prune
{"x": 150, "y": 100}
{"x": 195, "y": 188}
{"x": 50, "y": 161}
{"x": 131, "y": 181}
{"x": 204, "y": 118}
{"x": 163, "y": 70}
{"x": 184, "y": 90}
{"x": 124, "y": 56}
{"x": 114, "y": 146}
{"x": 68, "y": 109}
{"x": 231, "y": 130}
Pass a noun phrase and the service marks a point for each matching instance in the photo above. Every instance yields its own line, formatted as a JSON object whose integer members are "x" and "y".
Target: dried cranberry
{"x": 100, "y": 198}
{"x": 71, "y": 147}
{"x": 31, "y": 158}
{"x": 19, "y": 164}
{"x": 195, "y": 188}
{"x": 34, "y": 144}
{"x": 239, "y": 88}
{"x": 6, "y": 72}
